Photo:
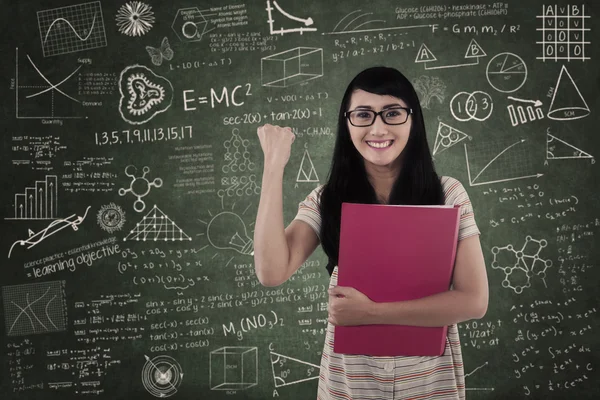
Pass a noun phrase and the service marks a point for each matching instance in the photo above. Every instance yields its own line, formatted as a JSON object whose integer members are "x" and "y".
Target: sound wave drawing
{"x": 34, "y": 308}
{"x": 72, "y": 28}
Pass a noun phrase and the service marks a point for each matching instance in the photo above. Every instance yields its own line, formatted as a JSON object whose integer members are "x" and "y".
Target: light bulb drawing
{"x": 227, "y": 231}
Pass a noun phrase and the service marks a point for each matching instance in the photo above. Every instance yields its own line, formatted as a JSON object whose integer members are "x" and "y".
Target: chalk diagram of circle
{"x": 506, "y": 72}
{"x": 161, "y": 376}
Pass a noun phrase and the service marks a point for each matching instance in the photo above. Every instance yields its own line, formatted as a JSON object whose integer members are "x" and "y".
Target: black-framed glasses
{"x": 389, "y": 116}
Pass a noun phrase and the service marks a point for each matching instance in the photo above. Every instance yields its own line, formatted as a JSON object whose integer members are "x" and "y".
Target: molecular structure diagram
{"x": 521, "y": 265}
{"x": 139, "y": 187}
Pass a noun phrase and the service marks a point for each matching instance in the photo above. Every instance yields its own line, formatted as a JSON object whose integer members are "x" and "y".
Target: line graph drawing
{"x": 476, "y": 369}
{"x": 511, "y": 163}
{"x": 156, "y": 226}
{"x": 289, "y": 371}
{"x": 306, "y": 21}
{"x": 55, "y": 226}
{"x": 29, "y": 87}
{"x": 39, "y": 201}
{"x": 71, "y": 28}
{"x": 34, "y": 308}
{"x": 558, "y": 149}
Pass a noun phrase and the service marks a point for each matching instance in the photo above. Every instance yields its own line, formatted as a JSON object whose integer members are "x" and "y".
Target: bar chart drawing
{"x": 39, "y": 201}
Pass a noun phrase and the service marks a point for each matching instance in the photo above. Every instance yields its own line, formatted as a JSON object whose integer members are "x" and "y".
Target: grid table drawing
{"x": 34, "y": 308}
{"x": 72, "y": 28}
{"x": 563, "y": 32}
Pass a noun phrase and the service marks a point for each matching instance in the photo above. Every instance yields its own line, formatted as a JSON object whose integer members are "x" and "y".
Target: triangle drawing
{"x": 447, "y": 137}
{"x": 567, "y": 102}
{"x": 474, "y": 50}
{"x": 557, "y": 149}
{"x": 303, "y": 175}
{"x": 424, "y": 55}
{"x": 289, "y": 371}
{"x": 156, "y": 226}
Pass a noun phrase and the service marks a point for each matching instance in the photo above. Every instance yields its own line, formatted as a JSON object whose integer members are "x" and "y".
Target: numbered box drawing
{"x": 233, "y": 368}
{"x": 291, "y": 67}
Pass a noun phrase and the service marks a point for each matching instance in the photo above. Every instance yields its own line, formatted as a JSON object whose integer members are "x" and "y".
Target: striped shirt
{"x": 408, "y": 378}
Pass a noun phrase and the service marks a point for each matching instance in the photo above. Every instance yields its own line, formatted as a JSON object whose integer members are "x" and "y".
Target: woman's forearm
{"x": 441, "y": 309}
{"x": 271, "y": 251}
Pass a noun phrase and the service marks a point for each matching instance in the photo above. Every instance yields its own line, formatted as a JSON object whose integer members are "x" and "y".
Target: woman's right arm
{"x": 278, "y": 251}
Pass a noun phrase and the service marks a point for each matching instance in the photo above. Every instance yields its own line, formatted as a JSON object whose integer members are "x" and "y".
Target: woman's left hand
{"x": 348, "y": 306}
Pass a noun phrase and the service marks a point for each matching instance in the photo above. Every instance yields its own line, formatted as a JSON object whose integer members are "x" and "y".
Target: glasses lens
{"x": 395, "y": 116}
{"x": 362, "y": 117}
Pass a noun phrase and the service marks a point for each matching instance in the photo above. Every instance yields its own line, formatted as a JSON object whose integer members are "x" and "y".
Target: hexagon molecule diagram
{"x": 139, "y": 187}
{"x": 520, "y": 266}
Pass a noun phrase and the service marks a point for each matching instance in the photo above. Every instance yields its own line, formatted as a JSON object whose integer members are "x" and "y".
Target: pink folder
{"x": 395, "y": 253}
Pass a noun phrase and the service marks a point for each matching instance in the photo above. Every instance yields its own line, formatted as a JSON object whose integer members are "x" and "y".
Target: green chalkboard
{"x": 132, "y": 173}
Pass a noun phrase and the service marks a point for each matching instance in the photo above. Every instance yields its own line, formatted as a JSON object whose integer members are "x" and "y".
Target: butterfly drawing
{"x": 163, "y": 52}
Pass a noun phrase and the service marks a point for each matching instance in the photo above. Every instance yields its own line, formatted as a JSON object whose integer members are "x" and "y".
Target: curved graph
{"x": 70, "y": 29}
{"x": 34, "y": 308}
{"x": 500, "y": 161}
{"x": 161, "y": 376}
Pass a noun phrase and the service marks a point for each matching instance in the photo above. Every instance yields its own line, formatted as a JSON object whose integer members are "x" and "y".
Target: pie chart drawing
{"x": 506, "y": 72}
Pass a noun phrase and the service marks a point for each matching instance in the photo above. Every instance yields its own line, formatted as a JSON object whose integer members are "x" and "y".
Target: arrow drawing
{"x": 536, "y": 103}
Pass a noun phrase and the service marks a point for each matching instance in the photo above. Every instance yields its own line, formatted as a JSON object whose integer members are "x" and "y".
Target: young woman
{"x": 381, "y": 156}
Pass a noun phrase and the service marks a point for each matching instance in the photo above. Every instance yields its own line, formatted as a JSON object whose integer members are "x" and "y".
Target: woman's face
{"x": 379, "y": 144}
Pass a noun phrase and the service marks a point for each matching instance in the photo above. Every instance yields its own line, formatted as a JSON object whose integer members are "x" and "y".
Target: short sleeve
{"x": 455, "y": 194}
{"x": 309, "y": 210}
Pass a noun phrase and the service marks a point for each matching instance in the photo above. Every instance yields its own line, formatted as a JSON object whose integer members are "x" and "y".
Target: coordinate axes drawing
{"x": 281, "y": 31}
{"x": 488, "y": 165}
{"x": 42, "y": 96}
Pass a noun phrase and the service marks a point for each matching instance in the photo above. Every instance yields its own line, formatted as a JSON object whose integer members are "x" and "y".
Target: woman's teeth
{"x": 380, "y": 145}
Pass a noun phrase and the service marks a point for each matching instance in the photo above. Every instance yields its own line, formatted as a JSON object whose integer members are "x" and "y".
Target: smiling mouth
{"x": 380, "y": 145}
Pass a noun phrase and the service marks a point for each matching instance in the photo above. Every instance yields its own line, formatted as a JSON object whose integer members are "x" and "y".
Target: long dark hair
{"x": 417, "y": 183}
